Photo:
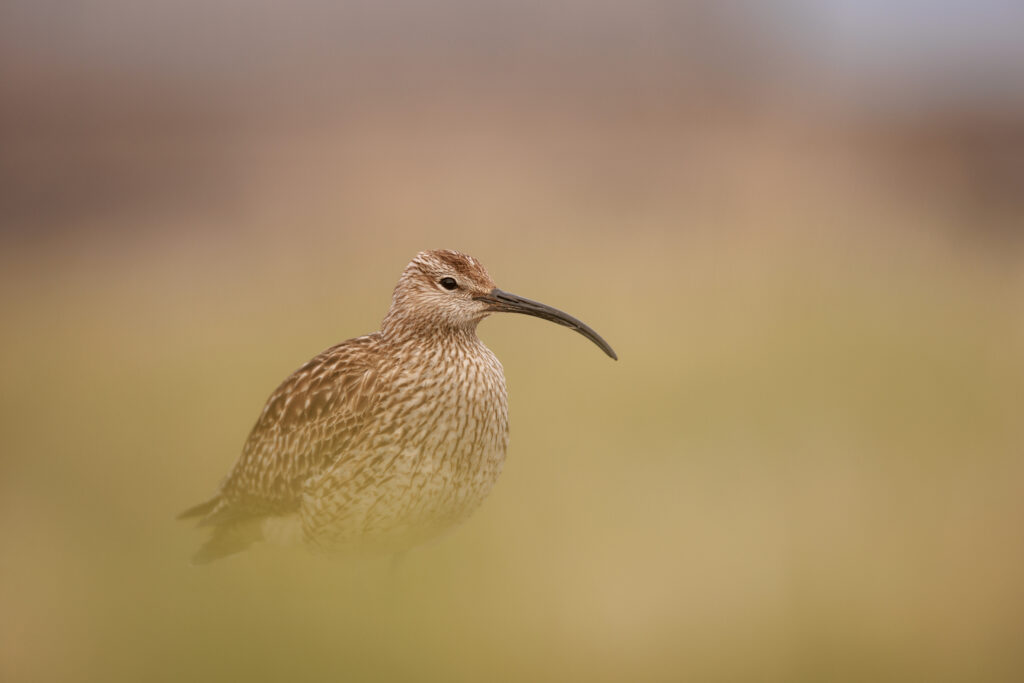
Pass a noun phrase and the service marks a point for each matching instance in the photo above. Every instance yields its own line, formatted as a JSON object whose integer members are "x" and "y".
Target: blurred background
{"x": 800, "y": 224}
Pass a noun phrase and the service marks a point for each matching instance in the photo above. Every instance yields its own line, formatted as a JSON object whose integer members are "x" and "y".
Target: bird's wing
{"x": 306, "y": 424}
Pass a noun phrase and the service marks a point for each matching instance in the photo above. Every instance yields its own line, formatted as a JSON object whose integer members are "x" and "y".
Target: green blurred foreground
{"x": 806, "y": 467}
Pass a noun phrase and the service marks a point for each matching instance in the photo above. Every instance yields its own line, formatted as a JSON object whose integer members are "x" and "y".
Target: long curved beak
{"x": 503, "y": 302}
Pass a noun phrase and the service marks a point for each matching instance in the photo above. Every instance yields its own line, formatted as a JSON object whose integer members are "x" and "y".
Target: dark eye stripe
{"x": 449, "y": 283}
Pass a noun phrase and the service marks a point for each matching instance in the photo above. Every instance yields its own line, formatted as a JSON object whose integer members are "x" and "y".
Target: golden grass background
{"x": 806, "y": 466}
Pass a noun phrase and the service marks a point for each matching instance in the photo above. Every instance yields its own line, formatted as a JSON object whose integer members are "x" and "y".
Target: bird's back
{"x": 305, "y": 424}
{"x": 370, "y": 443}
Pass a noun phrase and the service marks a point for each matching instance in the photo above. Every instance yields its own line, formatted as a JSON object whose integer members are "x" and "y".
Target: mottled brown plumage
{"x": 383, "y": 440}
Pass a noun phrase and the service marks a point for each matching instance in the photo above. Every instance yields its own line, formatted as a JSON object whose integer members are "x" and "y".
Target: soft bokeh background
{"x": 800, "y": 225}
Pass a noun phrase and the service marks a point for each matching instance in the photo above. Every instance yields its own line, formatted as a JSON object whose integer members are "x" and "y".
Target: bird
{"x": 383, "y": 441}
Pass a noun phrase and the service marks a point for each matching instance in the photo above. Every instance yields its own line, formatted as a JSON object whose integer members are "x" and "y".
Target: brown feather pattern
{"x": 382, "y": 440}
{"x": 387, "y": 439}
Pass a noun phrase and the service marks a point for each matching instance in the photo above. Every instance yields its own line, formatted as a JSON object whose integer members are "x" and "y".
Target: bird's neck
{"x": 401, "y": 330}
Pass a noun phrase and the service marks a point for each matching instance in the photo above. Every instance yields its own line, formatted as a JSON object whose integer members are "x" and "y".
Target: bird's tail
{"x": 228, "y": 539}
{"x": 202, "y": 509}
{"x": 233, "y": 531}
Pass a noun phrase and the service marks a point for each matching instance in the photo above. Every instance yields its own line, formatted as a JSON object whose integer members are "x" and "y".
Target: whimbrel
{"x": 384, "y": 440}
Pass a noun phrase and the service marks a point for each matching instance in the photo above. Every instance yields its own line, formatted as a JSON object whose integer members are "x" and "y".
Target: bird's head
{"x": 448, "y": 290}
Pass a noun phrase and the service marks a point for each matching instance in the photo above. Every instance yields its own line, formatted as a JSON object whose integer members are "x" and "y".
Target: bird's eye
{"x": 449, "y": 283}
